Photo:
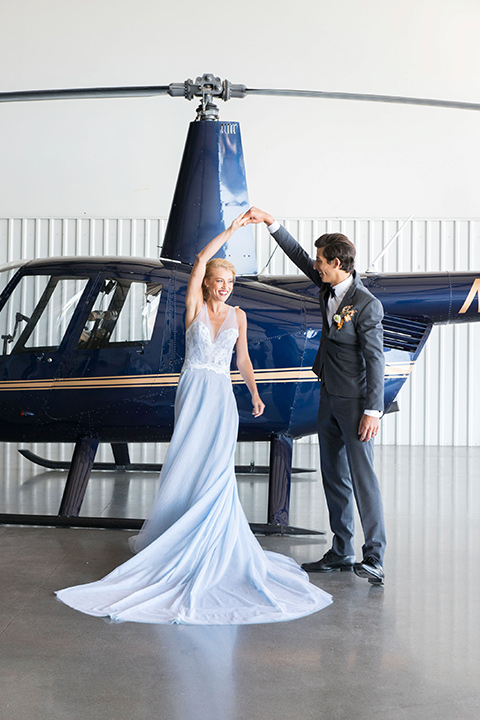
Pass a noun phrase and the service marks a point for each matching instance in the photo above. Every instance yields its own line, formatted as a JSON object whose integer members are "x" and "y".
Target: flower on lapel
{"x": 344, "y": 316}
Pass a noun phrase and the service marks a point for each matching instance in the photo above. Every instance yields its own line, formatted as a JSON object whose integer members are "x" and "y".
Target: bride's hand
{"x": 240, "y": 221}
{"x": 258, "y": 406}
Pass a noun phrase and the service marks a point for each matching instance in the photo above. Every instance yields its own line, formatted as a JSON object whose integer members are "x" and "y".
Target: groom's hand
{"x": 257, "y": 216}
{"x": 368, "y": 427}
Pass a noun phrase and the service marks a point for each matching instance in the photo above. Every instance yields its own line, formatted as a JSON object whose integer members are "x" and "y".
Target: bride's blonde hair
{"x": 212, "y": 265}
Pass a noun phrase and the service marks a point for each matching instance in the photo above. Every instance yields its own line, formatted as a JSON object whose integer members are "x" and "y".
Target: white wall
{"x": 119, "y": 158}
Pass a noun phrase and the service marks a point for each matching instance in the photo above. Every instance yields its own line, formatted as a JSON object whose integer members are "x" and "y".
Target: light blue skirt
{"x": 197, "y": 560}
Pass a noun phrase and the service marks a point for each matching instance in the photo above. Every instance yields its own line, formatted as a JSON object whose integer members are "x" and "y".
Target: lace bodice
{"x": 203, "y": 350}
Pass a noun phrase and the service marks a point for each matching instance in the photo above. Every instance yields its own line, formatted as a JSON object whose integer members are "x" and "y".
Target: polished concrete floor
{"x": 409, "y": 651}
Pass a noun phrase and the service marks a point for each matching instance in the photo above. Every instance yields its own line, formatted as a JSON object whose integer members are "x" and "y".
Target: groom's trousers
{"x": 348, "y": 474}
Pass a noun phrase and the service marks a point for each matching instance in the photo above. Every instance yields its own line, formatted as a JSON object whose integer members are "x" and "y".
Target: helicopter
{"x": 91, "y": 348}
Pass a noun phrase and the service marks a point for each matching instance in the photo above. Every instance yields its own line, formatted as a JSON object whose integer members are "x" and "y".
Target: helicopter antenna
{"x": 268, "y": 261}
{"x": 371, "y": 268}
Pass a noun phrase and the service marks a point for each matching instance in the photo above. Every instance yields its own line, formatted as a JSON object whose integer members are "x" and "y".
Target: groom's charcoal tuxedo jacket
{"x": 350, "y": 360}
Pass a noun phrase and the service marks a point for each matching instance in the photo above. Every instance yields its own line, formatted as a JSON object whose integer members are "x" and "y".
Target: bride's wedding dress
{"x": 197, "y": 560}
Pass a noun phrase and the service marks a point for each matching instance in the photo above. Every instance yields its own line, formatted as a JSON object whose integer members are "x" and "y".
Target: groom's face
{"x": 328, "y": 271}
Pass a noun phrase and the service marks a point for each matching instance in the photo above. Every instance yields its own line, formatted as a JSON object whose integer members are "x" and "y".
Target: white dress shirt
{"x": 335, "y": 301}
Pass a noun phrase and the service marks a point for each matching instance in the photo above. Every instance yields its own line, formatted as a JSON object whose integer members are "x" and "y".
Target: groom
{"x": 350, "y": 364}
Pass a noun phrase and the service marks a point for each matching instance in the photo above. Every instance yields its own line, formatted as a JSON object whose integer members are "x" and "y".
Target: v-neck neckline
{"x": 221, "y": 326}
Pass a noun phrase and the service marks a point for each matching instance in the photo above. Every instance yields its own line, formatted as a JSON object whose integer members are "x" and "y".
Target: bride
{"x": 197, "y": 560}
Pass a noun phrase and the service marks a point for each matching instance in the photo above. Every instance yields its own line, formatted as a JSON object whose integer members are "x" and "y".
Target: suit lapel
{"x": 323, "y": 301}
{"x": 348, "y": 297}
{"x": 347, "y": 300}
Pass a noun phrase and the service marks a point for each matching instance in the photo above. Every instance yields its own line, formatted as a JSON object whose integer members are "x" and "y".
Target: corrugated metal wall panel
{"x": 439, "y": 401}
{"x": 47, "y": 237}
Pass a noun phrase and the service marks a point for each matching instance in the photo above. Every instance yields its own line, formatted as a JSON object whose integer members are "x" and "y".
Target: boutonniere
{"x": 344, "y": 316}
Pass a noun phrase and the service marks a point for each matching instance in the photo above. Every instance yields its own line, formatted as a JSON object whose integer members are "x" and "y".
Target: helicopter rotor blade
{"x": 76, "y": 93}
{"x": 396, "y": 99}
{"x": 212, "y": 86}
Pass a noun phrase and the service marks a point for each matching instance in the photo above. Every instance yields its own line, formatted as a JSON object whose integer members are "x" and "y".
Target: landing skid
{"x": 251, "y": 469}
{"x": 83, "y": 462}
{"x": 270, "y": 529}
{"x": 106, "y": 523}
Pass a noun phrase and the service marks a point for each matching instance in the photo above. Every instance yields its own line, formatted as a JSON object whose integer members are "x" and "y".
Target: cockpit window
{"x": 38, "y": 311}
{"x": 123, "y": 313}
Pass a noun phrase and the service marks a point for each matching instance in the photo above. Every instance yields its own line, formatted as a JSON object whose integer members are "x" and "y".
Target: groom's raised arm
{"x": 289, "y": 245}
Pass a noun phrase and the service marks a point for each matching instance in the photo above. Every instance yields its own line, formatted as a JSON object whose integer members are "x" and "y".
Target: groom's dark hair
{"x": 337, "y": 245}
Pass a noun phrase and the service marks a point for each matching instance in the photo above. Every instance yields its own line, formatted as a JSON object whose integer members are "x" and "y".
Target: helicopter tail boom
{"x": 438, "y": 298}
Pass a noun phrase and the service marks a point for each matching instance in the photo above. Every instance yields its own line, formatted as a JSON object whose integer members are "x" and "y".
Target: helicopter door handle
{"x": 44, "y": 358}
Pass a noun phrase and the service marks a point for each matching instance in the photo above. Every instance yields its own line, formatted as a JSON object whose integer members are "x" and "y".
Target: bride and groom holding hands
{"x": 197, "y": 561}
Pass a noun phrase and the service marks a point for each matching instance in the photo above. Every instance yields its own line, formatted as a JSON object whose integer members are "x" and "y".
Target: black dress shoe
{"x": 330, "y": 562}
{"x": 371, "y": 569}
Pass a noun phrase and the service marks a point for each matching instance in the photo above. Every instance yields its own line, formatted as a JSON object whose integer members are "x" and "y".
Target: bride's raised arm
{"x": 194, "y": 297}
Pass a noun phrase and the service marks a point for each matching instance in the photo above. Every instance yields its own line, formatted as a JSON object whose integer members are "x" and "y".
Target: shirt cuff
{"x": 273, "y": 227}
{"x": 373, "y": 413}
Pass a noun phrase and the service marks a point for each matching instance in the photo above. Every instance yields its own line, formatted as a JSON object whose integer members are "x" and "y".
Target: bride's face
{"x": 219, "y": 284}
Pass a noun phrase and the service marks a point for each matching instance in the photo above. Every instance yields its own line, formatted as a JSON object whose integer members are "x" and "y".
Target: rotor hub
{"x": 208, "y": 88}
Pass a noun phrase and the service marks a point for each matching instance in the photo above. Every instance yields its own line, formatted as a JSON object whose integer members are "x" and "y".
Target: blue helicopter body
{"x": 123, "y": 391}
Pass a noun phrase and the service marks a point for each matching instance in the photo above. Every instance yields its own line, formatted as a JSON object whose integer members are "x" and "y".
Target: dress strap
{"x": 231, "y": 319}
{"x": 202, "y": 315}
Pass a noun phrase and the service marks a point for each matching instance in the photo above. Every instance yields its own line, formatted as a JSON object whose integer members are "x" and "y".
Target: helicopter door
{"x": 115, "y": 350}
